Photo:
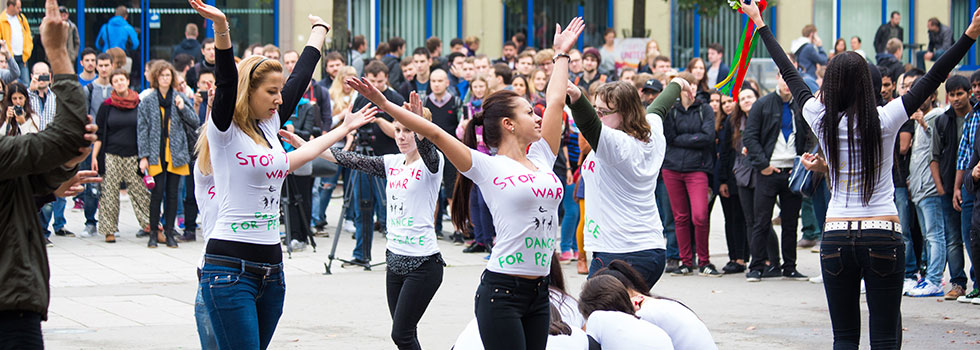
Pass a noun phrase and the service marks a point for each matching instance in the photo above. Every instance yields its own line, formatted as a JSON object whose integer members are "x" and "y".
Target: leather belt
{"x": 863, "y": 225}
{"x": 258, "y": 269}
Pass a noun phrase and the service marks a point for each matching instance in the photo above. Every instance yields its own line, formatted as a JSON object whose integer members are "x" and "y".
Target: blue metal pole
{"x": 530, "y": 23}
{"x": 275, "y": 22}
{"x": 208, "y": 30}
{"x": 773, "y": 20}
{"x": 609, "y": 14}
{"x": 837, "y": 19}
{"x": 80, "y": 23}
{"x": 428, "y": 19}
{"x": 581, "y": 41}
{"x": 972, "y": 56}
{"x": 697, "y": 32}
{"x": 377, "y": 22}
{"x": 884, "y": 11}
{"x": 459, "y": 18}
{"x": 145, "y": 34}
{"x": 911, "y": 28}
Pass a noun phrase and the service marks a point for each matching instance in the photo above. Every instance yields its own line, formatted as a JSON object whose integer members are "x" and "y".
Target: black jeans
{"x": 746, "y": 196}
{"x": 738, "y": 244}
{"x": 766, "y": 190}
{"x": 513, "y": 313}
{"x": 879, "y": 257}
{"x": 190, "y": 203}
{"x": 165, "y": 182}
{"x": 408, "y": 297}
{"x": 975, "y": 247}
{"x": 21, "y": 330}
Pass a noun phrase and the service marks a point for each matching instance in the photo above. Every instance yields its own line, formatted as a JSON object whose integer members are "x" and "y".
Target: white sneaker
{"x": 976, "y": 301}
{"x": 908, "y": 285}
{"x": 297, "y": 245}
{"x": 863, "y": 291}
{"x": 349, "y": 226}
{"x": 926, "y": 289}
{"x": 89, "y": 231}
{"x": 817, "y": 279}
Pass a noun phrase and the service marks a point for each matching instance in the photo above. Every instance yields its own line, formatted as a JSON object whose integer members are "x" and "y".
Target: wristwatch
{"x": 559, "y": 55}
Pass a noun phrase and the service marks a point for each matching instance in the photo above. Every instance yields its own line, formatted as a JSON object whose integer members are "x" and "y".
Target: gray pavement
{"x": 126, "y": 296}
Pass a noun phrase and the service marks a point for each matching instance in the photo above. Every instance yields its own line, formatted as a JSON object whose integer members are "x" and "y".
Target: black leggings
{"x": 190, "y": 203}
{"x": 408, "y": 297}
{"x": 20, "y": 330}
{"x": 735, "y": 228}
{"x": 513, "y": 312}
{"x": 746, "y": 195}
{"x": 165, "y": 182}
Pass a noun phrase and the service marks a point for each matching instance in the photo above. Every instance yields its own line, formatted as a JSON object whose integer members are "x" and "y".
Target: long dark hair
{"x": 17, "y": 88}
{"x": 847, "y": 91}
{"x": 605, "y": 293}
{"x": 631, "y": 279}
{"x": 557, "y": 326}
{"x": 739, "y": 117}
{"x": 496, "y": 107}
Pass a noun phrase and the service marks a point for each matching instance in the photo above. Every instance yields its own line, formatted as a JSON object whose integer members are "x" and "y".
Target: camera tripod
{"x": 365, "y": 205}
{"x": 291, "y": 201}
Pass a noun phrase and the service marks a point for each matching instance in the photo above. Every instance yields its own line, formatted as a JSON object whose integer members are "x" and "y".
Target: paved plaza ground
{"x": 125, "y": 296}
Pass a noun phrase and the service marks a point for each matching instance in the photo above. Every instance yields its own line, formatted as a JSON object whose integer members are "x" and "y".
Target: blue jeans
{"x": 54, "y": 209}
{"x": 874, "y": 255}
{"x": 322, "y": 193}
{"x": 811, "y": 228}
{"x": 570, "y": 222}
{"x": 933, "y": 227}
{"x": 369, "y": 189}
{"x": 204, "y": 329}
{"x": 903, "y": 203}
{"x": 483, "y": 229}
{"x": 25, "y": 75}
{"x": 89, "y": 197}
{"x": 967, "y": 214}
{"x": 954, "y": 242}
{"x": 244, "y": 307}
{"x": 920, "y": 58}
{"x": 821, "y": 200}
{"x": 649, "y": 263}
{"x": 667, "y": 217}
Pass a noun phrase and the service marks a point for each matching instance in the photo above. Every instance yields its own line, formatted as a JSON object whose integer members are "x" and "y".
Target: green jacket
{"x": 32, "y": 165}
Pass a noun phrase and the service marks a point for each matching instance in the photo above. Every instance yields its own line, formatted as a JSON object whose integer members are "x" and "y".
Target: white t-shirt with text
{"x": 412, "y": 193}
{"x": 524, "y": 204}
{"x": 620, "y": 176}
{"x": 615, "y": 330}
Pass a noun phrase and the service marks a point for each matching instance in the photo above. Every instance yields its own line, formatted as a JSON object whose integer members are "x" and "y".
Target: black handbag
{"x": 802, "y": 181}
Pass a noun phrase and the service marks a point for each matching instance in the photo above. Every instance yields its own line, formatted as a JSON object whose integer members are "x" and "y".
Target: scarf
{"x": 130, "y": 101}
{"x": 165, "y": 101}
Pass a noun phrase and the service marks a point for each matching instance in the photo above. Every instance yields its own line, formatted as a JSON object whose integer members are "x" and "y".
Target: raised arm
{"x": 307, "y": 151}
{"x": 455, "y": 150}
{"x": 801, "y": 93}
{"x": 299, "y": 79}
{"x": 589, "y": 125}
{"x": 558, "y": 85}
{"x": 225, "y": 70}
{"x": 925, "y": 86}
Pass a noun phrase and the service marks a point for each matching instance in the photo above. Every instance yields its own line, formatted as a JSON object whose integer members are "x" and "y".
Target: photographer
{"x": 19, "y": 118}
{"x": 307, "y": 124}
{"x": 376, "y": 140}
{"x": 36, "y": 165}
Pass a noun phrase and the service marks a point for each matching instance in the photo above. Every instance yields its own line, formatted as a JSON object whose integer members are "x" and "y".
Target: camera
{"x": 18, "y": 110}
{"x": 44, "y": 77}
{"x": 364, "y": 140}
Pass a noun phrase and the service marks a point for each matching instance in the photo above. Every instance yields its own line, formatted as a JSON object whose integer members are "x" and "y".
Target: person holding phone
{"x": 42, "y": 98}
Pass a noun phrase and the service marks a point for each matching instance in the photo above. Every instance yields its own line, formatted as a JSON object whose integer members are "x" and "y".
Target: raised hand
{"x": 360, "y": 118}
{"x": 54, "y": 31}
{"x": 415, "y": 104}
{"x": 751, "y": 9}
{"x": 564, "y": 40}
{"x": 76, "y": 184}
{"x": 314, "y": 20}
{"x": 573, "y": 92}
{"x": 974, "y": 29}
{"x": 367, "y": 90}
{"x": 207, "y": 11}
{"x": 291, "y": 138}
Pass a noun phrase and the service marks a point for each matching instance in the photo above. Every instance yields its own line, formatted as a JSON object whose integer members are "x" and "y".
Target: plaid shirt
{"x": 45, "y": 108}
{"x": 965, "y": 150}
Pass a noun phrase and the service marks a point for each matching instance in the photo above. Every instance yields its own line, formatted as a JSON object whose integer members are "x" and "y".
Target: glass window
{"x": 549, "y": 12}
{"x": 961, "y": 15}
{"x": 724, "y": 28}
{"x": 405, "y": 19}
{"x": 823, "y": 18}
{"x": 360, "y": 21}
{"x": 858, "y": 18}
{"x": 174, "y": 17}
{"x": 250, "y": 22}
{"x": 445, "y": 22}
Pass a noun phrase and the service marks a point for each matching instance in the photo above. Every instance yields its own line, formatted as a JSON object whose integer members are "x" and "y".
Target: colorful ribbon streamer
{"x": 743, "y": 55}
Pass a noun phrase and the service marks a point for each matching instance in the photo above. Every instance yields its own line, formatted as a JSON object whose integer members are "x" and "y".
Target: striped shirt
{"x": 44, "y": 108}
{"x": 966, "y": 141}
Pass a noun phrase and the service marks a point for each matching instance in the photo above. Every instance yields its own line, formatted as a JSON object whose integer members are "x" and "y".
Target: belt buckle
{"x": 268, "y": 270}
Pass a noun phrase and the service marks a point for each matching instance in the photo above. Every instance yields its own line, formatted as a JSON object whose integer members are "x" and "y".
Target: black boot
{"x": 153, "y": 240}
{"x": 171, "y": 241}
{"x": 188, "y": 236}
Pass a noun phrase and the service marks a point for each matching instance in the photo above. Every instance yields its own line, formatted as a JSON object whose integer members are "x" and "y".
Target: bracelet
{"x": 559, "y": 55}
{"x": 223, "y": 33}
{"x": 321, "y": 25}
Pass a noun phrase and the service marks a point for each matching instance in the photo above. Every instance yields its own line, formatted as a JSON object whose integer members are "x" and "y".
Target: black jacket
{"x": 763, "y": 126}
{"x": 887, "y": 60}
{"x": 885, "y": 32}
{"x": 690, "y": 137}
{"x": 395, "y": 77}
{"x": 949, "y": 141}
{"x": 726, "y": 153}
{"x": 973, "y": 186}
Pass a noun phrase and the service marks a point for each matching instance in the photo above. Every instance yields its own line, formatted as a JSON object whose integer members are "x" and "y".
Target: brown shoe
{"x": 161, "y": 237}
{"x": 110, "y": 238}
{"x": 955, "y": 292}
{"x": 583, "y": 266}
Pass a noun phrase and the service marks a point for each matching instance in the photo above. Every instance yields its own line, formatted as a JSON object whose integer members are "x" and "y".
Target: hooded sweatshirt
{"x": 117, "y": 33}
{"x": 191, "y": 47}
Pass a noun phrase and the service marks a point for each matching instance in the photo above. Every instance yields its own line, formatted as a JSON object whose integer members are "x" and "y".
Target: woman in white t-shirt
{"x": 242, "y": 280}
{"x": 522, "y": 192}
{"x": 862, "y": 237}
{"x": 685, "y": 329}
{"x": 412, "y": 180}
{"x": 621, "y": 219}
{"x": 611, "y": 318}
